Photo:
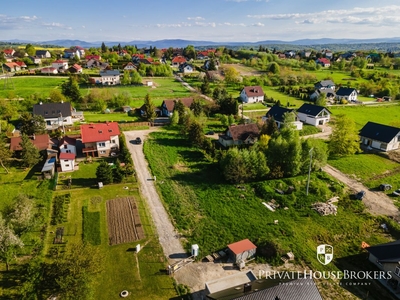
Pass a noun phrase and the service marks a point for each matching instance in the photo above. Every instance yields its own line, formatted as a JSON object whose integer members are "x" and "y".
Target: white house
{"x": 55, "y": 114}
{"x": 100, "y": 139}
{"x": 67, "y": 161}
{"x": 278, "y": 113}
{"x": 110, "y": 77}
{"x": 49, "y": 70}
{"x": 348, "y": 94}
{"x": 237, "y": 135}
{"x": 60, "y": 65}
{"x": 186, "y": 68}
{"x": 67, "y": 145}
{"x": 313, "y": 114}
{"x": 379, "y": 136}
{"x": 129, "y": 66}
{"x": 252, "y": 94}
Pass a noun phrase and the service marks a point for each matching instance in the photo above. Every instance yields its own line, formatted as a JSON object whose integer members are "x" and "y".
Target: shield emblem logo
{"x": 324, "y": 254}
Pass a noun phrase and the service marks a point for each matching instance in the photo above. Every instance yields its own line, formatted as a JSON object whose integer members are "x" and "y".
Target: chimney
{"x": 247, "y": 288}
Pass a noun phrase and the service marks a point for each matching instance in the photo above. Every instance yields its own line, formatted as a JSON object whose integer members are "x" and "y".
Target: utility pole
{"x": 309, "y": 169}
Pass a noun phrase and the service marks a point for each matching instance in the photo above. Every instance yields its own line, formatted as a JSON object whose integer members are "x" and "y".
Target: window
{"x": 102, "y": 152}
{"x": 65, "y": 160}
{"x": 65, "y": 146}
{"x": 397, "y": 271}
{"x": 67, "y": 166}
{"x": 113, "y": 141}
{"x": 68, "y": 151}
{"x": 102, "y": 144}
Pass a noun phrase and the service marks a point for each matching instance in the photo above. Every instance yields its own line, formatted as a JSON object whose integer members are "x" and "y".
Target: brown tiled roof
{"x": 170, "y": 104}
{"x": 41, "y": 142}
{"x": 242, "y": 132}
{"x": 253, "y": 91}
{"x": 66, "y": 140}
{"x": 241, "y": 246}
{"x": 187, "y": 101}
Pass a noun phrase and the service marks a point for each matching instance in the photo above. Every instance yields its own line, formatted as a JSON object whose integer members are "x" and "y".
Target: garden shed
{"x": 242, "y": 251}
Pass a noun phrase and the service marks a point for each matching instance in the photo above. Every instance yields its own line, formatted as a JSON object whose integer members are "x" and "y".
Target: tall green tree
{"x": 103, "y": 48}
{"x": 197, "y": 107}
{"x": 126, "y": 79}
{"x": 9, "y": 243}
{"x": 189, "y": 52}
{"x": 104, "y": 173}
{"x": 321, "y": 100}
{"x": 136, "y": 78}
{"x": 20, "y": 214}
{"x": 205, "y": 86}
{"x": 269, "y": 127}
{"x": 232, "y": 76}
{"x": 70, "y": 89}
{"x": 30, "y": 154}
{"x": 30, "y": 50}
{"x": 149, "y": 108}
{"x": 274, "y": 68}
{"x": 32, "y": 124}
{"x": 56, "y": 96}
{"x": 344, "y": 138}
{"x": 179, "y": 108}
{"x": 195, "y": 133}
{"x": 5, "y": 155}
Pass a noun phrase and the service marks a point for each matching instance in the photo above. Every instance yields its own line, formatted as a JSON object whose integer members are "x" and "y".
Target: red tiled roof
{"x": 170, "y": 104}
{"x": 20, "y": 63}
{"x": 97, "y": 57}
{"x": 253, "y": 91}
{"x": 66, "y": 140}
{"x": 77, "y": 67}
{"x": 179, "y": 59}
{"x": 41, "y": 142}
{"x": 140, "y": 56}
{"x": 69, "y": 156}
{"x": 241, "y": 246}
{"x": 100, "y": 132}
{"x": 59, "y": 61}
{"x": 8, "y": 51}
{"x": 12, "y": 65}
{"x": 325, "y": 61}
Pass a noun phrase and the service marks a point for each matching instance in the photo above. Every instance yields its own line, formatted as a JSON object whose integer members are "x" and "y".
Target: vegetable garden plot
{"x": 123, "y": 221}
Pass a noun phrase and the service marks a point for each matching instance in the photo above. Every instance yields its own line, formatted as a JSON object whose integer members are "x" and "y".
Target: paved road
{"x": 169, "y": 238}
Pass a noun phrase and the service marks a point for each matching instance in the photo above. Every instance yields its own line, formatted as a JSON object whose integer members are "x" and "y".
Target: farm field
{"x": 212, "y": 213}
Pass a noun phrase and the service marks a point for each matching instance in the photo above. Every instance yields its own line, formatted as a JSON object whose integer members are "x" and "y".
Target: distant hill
{"x": 342, "y": 44}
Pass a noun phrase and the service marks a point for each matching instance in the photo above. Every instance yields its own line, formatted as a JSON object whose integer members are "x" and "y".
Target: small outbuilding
{"x": 242, "y": 251}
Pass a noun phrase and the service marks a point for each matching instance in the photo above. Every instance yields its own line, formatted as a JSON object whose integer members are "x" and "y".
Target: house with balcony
{"x": 252, "y": 94}
{"x": 60, "y": 65}
{"x": 100, "y": 139}
{"x": 110, "y": 77}
{"x": 313, "y": 114}
{"x": 55, "y": 114}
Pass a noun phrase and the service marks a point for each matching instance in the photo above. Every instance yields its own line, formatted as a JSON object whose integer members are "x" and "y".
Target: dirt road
{"x": 377, "y": 203}
{"x": 169, "y": 238}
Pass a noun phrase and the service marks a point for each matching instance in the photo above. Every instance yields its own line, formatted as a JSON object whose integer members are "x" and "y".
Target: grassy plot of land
{"x": 383, "y": 114}
{"x": 370, "y": 169}
{"x": 212, "y": 213}
{"x": 141, "y": 274}
{"x": 111, "y": 117}
{"x": 24, "y": 87}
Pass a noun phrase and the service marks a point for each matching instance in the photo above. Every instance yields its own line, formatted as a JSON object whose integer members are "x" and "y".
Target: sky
{"x": 204, "y": 20}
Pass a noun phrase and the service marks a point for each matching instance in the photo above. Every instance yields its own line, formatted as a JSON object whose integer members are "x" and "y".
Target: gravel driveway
{"x": 377, "y": 203}
{"x": 169, "y": 238}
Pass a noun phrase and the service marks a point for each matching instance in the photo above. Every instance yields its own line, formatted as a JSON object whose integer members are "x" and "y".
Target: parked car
{"x": 138, "y": 140}
{"x": 210, "y": 133}
{"x": 396, "y": 192}
{"x": 360, "y": 195}
{"x": 385, "y": 187}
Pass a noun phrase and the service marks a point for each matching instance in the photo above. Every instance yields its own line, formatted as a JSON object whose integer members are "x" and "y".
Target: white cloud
{"x": 196, "y": 18}
{"x": 202, "y": 24}
{"x": 56, "y": 25}
{"x": 28, "y": 19}
{"x": 258, "y": 24}
{"x": 232, "y": 24}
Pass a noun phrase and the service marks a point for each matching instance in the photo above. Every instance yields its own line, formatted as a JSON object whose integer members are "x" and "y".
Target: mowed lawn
{"x": 383, "y": 114}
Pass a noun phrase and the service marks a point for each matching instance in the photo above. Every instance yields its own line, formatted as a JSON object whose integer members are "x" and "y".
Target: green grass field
{"x": 24, "y": 87}
{"x": 383, "y": 114}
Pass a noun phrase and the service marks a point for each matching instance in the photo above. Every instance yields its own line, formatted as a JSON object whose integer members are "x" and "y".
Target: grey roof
{"x": 379, "y": 132}
{"x": 345, "y": 91}
{"x": 109, "y": 73}
{"x": 389, "y": 252}
{"x": 271, "y": 289}
{"x": 277, "y": 112}
{"x": 311, "y": 109}
{"x": 324, "y": 83}
{"x": 52, "y": 110}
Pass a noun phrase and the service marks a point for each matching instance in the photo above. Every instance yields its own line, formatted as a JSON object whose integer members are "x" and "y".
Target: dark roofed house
{"x": 379, "y": 136}
{"x": 327, "y": 92}
{"x": 313, "y": 114}
{"x": 168, "y": 106}
{"x": 278, "y": 113}
{"x": 296, "y": 288}
{"x": 387, "y": 258}
{"x": 240, "y": 134}
{"x": 55, "y": 114}
{"x": 43, "y": 54}
{"x": 348, "y": 94}
{"x": 325, "y": 84}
